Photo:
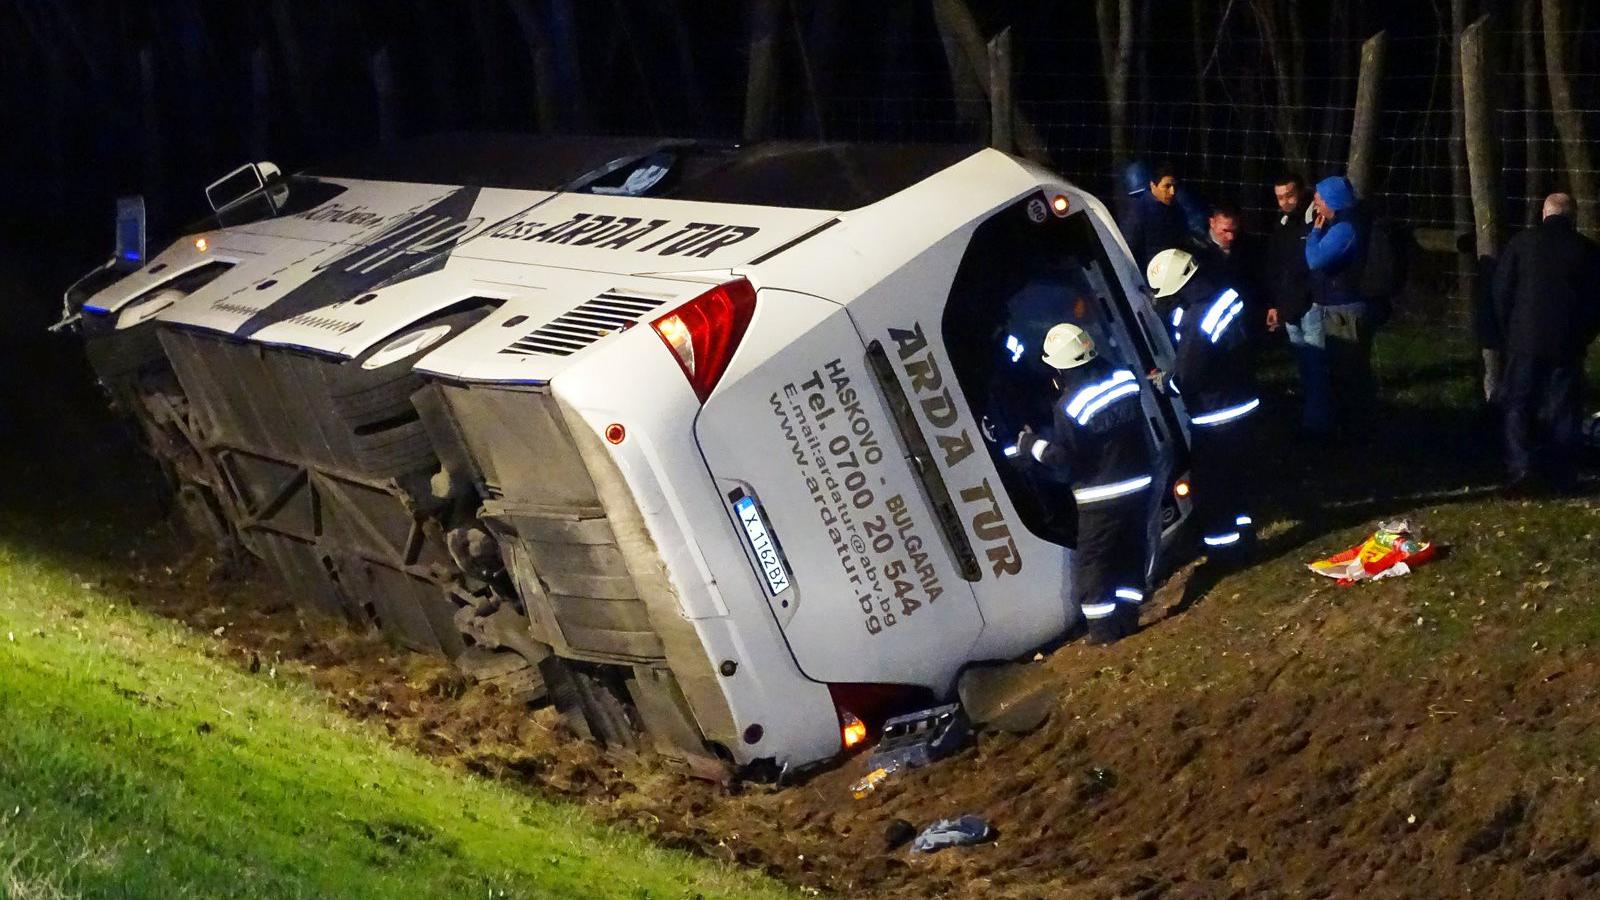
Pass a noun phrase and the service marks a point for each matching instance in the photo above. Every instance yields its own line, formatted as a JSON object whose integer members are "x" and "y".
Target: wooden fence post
{"x": 1001, "y": 136}
{"x": 1568, "y": 118}
{"x": 1483, "y": 156}
{"x": 1369, "y": 100}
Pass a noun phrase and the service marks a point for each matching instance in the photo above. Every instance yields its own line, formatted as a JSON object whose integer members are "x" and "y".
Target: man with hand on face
{"x": 1336, "y": 252}
{"x": 1289, "y": 299}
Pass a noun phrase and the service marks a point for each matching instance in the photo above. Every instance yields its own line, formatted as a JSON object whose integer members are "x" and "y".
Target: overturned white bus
{"x": 703, "y": 442}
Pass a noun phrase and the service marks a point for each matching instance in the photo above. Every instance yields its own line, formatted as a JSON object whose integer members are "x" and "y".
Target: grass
{"x": 134, "y": 765}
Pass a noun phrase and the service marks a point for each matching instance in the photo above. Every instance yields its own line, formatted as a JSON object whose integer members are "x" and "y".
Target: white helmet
{"x": 1170, "y": 270}
{"x": 1066, "y": 346}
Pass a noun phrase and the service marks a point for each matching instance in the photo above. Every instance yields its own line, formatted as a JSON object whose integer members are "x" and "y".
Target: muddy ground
{"x": 1295, "y": 772}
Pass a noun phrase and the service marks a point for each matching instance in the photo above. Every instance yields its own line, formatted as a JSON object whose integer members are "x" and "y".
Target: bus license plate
{"x": 768, "y": 559}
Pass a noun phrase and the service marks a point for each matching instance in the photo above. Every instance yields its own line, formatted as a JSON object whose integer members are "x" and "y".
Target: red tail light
{"x": 863, "y": 708}
{"x": 704, "y": 332}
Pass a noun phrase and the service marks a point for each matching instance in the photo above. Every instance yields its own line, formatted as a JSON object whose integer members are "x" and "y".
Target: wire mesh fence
{"x": 114, "y": 98}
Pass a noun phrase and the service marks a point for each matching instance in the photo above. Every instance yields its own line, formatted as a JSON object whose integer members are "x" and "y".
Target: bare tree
{"x": 1199, "y": 32}
{"x": 1568, "y": 119}
{"x": 762, "y": 84}
{"x": 1288, "y": 80}
{"x": 1115, "y": 19}
{"x": 1483, "y": 156}
{"x": 1460, "y": 198}
{"x": 1337, "y": 98}
{"x": 1362, "y": 168}
{"x": 968, "y": 53}
{"x": 548, "y": 32}
{"x": 957, "y": 30}
{"x": 1533, "y": 164}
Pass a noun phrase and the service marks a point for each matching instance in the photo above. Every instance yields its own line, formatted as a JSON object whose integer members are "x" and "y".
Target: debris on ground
{"x": 1393, "y": 550}
{"x": 958, "y": 832}
{"x": 919, "y": 738}
{"x": 898, "y": 833}
{"x": 870, "y": 781}
{"x": 1015, "y": 697}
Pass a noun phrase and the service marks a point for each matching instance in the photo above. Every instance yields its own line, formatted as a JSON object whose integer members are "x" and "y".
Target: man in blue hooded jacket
{"x": 1340, "y": 316}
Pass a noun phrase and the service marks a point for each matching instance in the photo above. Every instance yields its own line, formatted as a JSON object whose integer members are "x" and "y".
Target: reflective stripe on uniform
{"x": 1244, "y": 521}
{"x": 1115, "y": 489}
{"x": 1038, "y": 450}
{"x": 1010, "y": 450}
{"x": 1090, "y": 393}
{"x": 1106, "y": 399}
{"x": 1221, "y": 540}
{"x": 1228, "y": 414}
{"x": 1132, "y": 595}
{"x": 1213, "y": 321}
{"x": 1098, "y": 610}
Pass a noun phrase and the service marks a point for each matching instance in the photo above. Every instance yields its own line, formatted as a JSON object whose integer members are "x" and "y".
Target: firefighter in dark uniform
{"x": 1213, "y": 377}
{"x": 1098, "y": 438}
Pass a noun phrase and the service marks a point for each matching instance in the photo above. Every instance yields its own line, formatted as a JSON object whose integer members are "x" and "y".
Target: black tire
{"x": 364, "y": 396}
{"x": 375, "y": 404}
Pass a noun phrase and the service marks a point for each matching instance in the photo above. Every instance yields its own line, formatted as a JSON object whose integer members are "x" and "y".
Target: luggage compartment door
{"x": 842, "y": 543}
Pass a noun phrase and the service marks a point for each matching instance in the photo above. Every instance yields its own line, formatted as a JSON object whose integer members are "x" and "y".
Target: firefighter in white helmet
{"x": 1099, "y": 438}
{"x": 1213, "y": 378}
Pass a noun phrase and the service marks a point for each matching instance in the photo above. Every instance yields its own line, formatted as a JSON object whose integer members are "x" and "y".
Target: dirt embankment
{"x": 1283, "y": 737}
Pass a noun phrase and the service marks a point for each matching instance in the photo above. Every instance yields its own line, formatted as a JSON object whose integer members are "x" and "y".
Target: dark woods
{"x": 106, "y": 98}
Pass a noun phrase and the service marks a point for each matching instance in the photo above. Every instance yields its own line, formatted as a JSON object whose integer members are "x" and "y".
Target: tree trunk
{"x": 956, "y": 29}
{"x": 1483, "y": 157}
{"x": 1460, "y": 195}
{"x": 562, "y": 24}
{"x": 808, "y": 67}
{"x": 294, "y": 64}
{"x": 383, "y": 89}
{"x": 960, "y": 32}
{"x": 1362, "y": 169}
{"x": 150, "y": 125}
{"x": 1000, "y": 134}
{"x": 1337, "y": 97}
{"x": 622, "y": 20}
{"x": 1285, "y": 112}
{"x": 1568, "y": 119}
{"x": 1533, "y": 164}
{"x": 545, "y": 95}
{"x": 491, "y": 80}
{"x": 762, "y": 84}
{"x": 683, "y": 46}
{"x": 1197, "y": 23}
{"x": 1115, "y": 21}
{"x": 1144, "y": 113}
{"x": 260, "y": 103}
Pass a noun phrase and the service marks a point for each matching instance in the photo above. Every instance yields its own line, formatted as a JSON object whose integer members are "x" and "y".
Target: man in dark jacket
{"x": 1336, "y": 249}
{"x": 1099, "y": 440}
{"x": 1213, "y": 377}
{"x": 1154, "y": 221}
{"x": 1545, "y": 292}
{"x": 1232, "y": 258}
{"x": 1289, "y": 301}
